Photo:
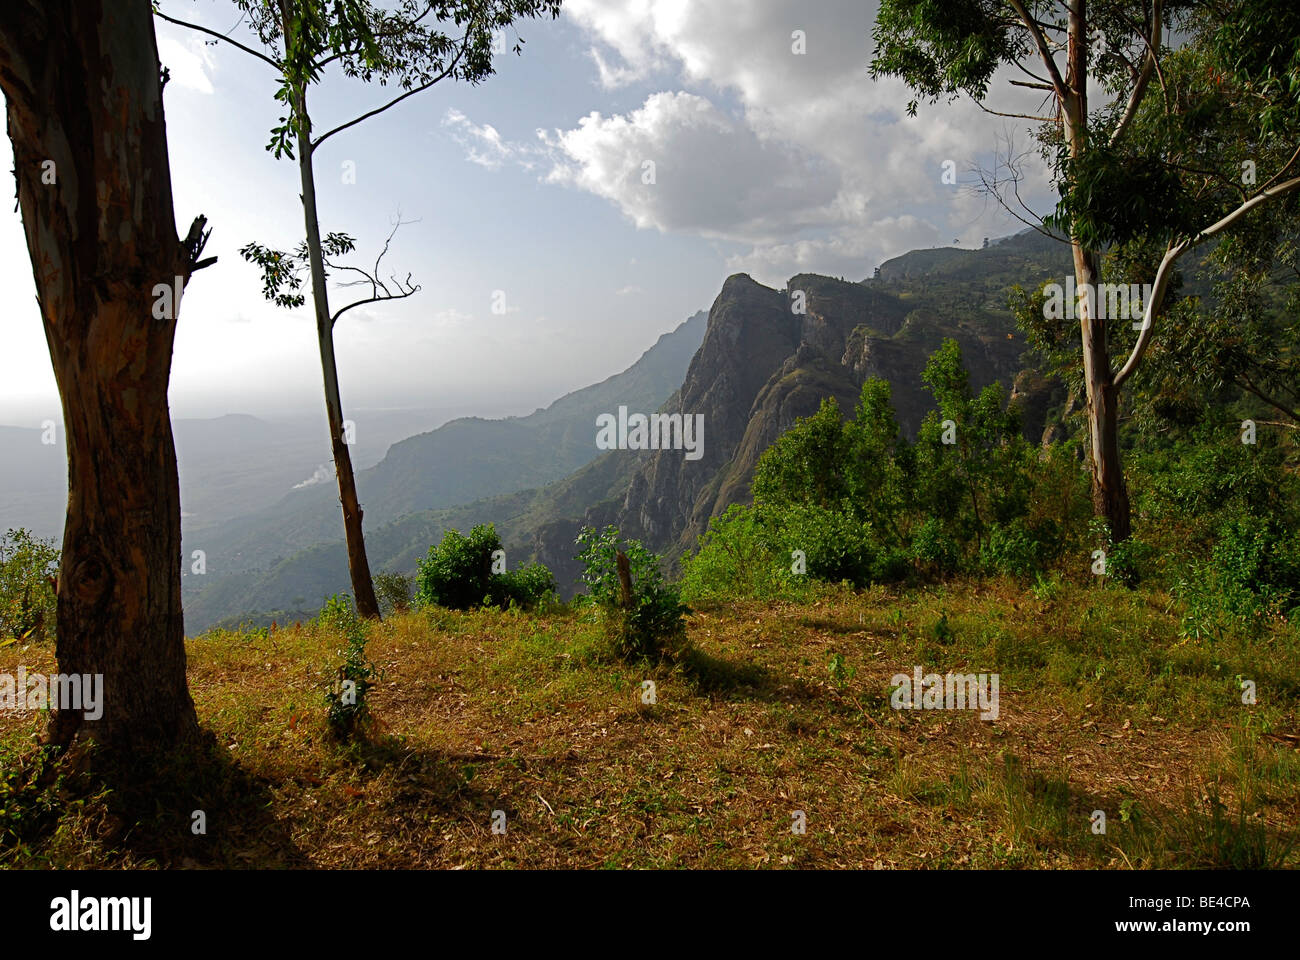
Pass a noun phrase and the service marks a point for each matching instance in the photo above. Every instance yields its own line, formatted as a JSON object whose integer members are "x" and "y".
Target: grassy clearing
{"x": 1104, "y": 706}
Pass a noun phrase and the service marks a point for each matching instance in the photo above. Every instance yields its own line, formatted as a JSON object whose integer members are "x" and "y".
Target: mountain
{"x": 763, "y": 365}
{"x": 759, "y": 366}
{"x": 228, "y": 465}
{"x": 463, "y": 460}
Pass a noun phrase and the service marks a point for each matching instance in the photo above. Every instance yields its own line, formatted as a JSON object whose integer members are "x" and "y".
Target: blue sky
{"x": 530, "y": 187}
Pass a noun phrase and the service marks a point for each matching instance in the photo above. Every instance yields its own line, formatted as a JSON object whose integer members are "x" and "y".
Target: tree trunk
{"x": 363, "y": 586}
{"x": 1109, "y": 495}
{"x": 81, "y": 79}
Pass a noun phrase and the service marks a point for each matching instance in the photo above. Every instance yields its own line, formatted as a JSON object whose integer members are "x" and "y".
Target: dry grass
{"x": 1103, "y": 707}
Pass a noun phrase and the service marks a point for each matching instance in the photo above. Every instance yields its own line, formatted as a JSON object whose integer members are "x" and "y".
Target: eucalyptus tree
{"x": 411, "y": 45}
{"x": 1151, "y": 172}
{"x": 83, "y": 95}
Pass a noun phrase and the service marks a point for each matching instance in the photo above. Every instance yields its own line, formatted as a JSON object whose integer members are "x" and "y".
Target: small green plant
{"x": 30, "y": 795}
{"x": 736, "y": 558}
{"x": 648, "y": 624}
{"x": 841, "y": 674}
{"x": 346, "y": 696}
{"x": 1046, "y": 589}
{"x": 941, "y": 631}
{"x": 394, "y": 590}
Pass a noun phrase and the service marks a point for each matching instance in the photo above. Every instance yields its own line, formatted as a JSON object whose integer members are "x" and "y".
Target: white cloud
{"x": 188, "y": 64}
{"x": 815, "y": 167}
{"x": 881, "y": 169}
{"x": 483, "y": 144}
{"x": 678, "y": 163}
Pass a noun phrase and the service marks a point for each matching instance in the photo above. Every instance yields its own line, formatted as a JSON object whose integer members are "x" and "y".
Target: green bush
{"x": 1258, "y": 556}
{"x": 27, "y": 601}
{"x": 653, "y": 626}
{"x": 1015, "y": 548}
{"x": 737, "y": 557}
{"x": 394, "y": 591}
{"x": 837, "y": 546}
{"x": 458, "y": 574}
{"x": 933, "y": 549}
{"x": 525, "y": 587}
{"x": 865, "y": 506}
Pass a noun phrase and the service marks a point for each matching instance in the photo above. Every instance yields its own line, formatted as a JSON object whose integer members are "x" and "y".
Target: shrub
{"x": 737, "y": 558}
{"x": 394, "y": 590}
{"x": 1257, "y": 556}
{"x": 525, "y": 587}
{"x": 458, "y": 574}
{"x": 649, "y": 627}
{"x": 1127, "y": 561}
{"x": 27, "y": 601}
{"x": 346, "y": 695}
{"x": 934, "y": 551}
{"x": 1017, "y": 549}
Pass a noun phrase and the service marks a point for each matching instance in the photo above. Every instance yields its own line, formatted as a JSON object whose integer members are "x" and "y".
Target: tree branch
{"x": 1017, "y": 116}
{"x": 378, "y": 289}
{"x": 398, "y": 99}
{"x": 1144, "y": 77}
{"x": 1040, "y": 41}
{"x": 1246, "y": 384}
{"x": 1171, "y": 256}
{"x": 220, "y": 36}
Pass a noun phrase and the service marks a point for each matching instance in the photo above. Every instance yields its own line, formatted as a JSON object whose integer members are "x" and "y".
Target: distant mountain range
{"x": 754, "y": 369}
{"x": 229, "y": 465}
{"x": 463, "y": 460}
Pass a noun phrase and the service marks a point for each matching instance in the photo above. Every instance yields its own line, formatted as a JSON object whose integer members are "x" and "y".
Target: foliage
{"x": 282, "y": 273}
{"x": 840, "y": 673}
{"x": 866, "y": 507}
{"x": 457, "y": 574}
{"x": 349, "y": 715}
{"x": 652, "y": 626}
{"x": 27, "y": 601}
{"x": 397, "y": 43}
{"x": 394, "y": 590}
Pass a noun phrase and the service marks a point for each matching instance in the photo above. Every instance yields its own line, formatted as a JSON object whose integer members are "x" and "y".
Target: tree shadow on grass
{"x": 709, "y": 674}
{"x": 187, "y": 806}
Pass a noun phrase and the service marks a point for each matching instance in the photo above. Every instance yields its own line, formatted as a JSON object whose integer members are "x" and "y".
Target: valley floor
{"x": 1104, "y": 706}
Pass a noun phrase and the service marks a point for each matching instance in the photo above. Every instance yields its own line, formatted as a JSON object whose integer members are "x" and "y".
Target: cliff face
{"x": 750, "y": 333}
{"x": 763, "y": 365}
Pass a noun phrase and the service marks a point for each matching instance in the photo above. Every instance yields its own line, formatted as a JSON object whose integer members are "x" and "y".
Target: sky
{"x": 558, "y": 217}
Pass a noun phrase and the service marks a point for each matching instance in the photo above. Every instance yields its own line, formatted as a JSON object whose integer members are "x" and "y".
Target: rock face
{"x": 750, "y": 333}
{"x": 763, "y": 364}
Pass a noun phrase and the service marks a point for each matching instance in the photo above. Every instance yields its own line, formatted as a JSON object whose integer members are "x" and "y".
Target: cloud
{"x": 483, "y": 144}
{"x": 678, "y": 163}
{"x": 799, "y": 156}
{"x": 851, "y": 252}
{"x": 188, "y": 64}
